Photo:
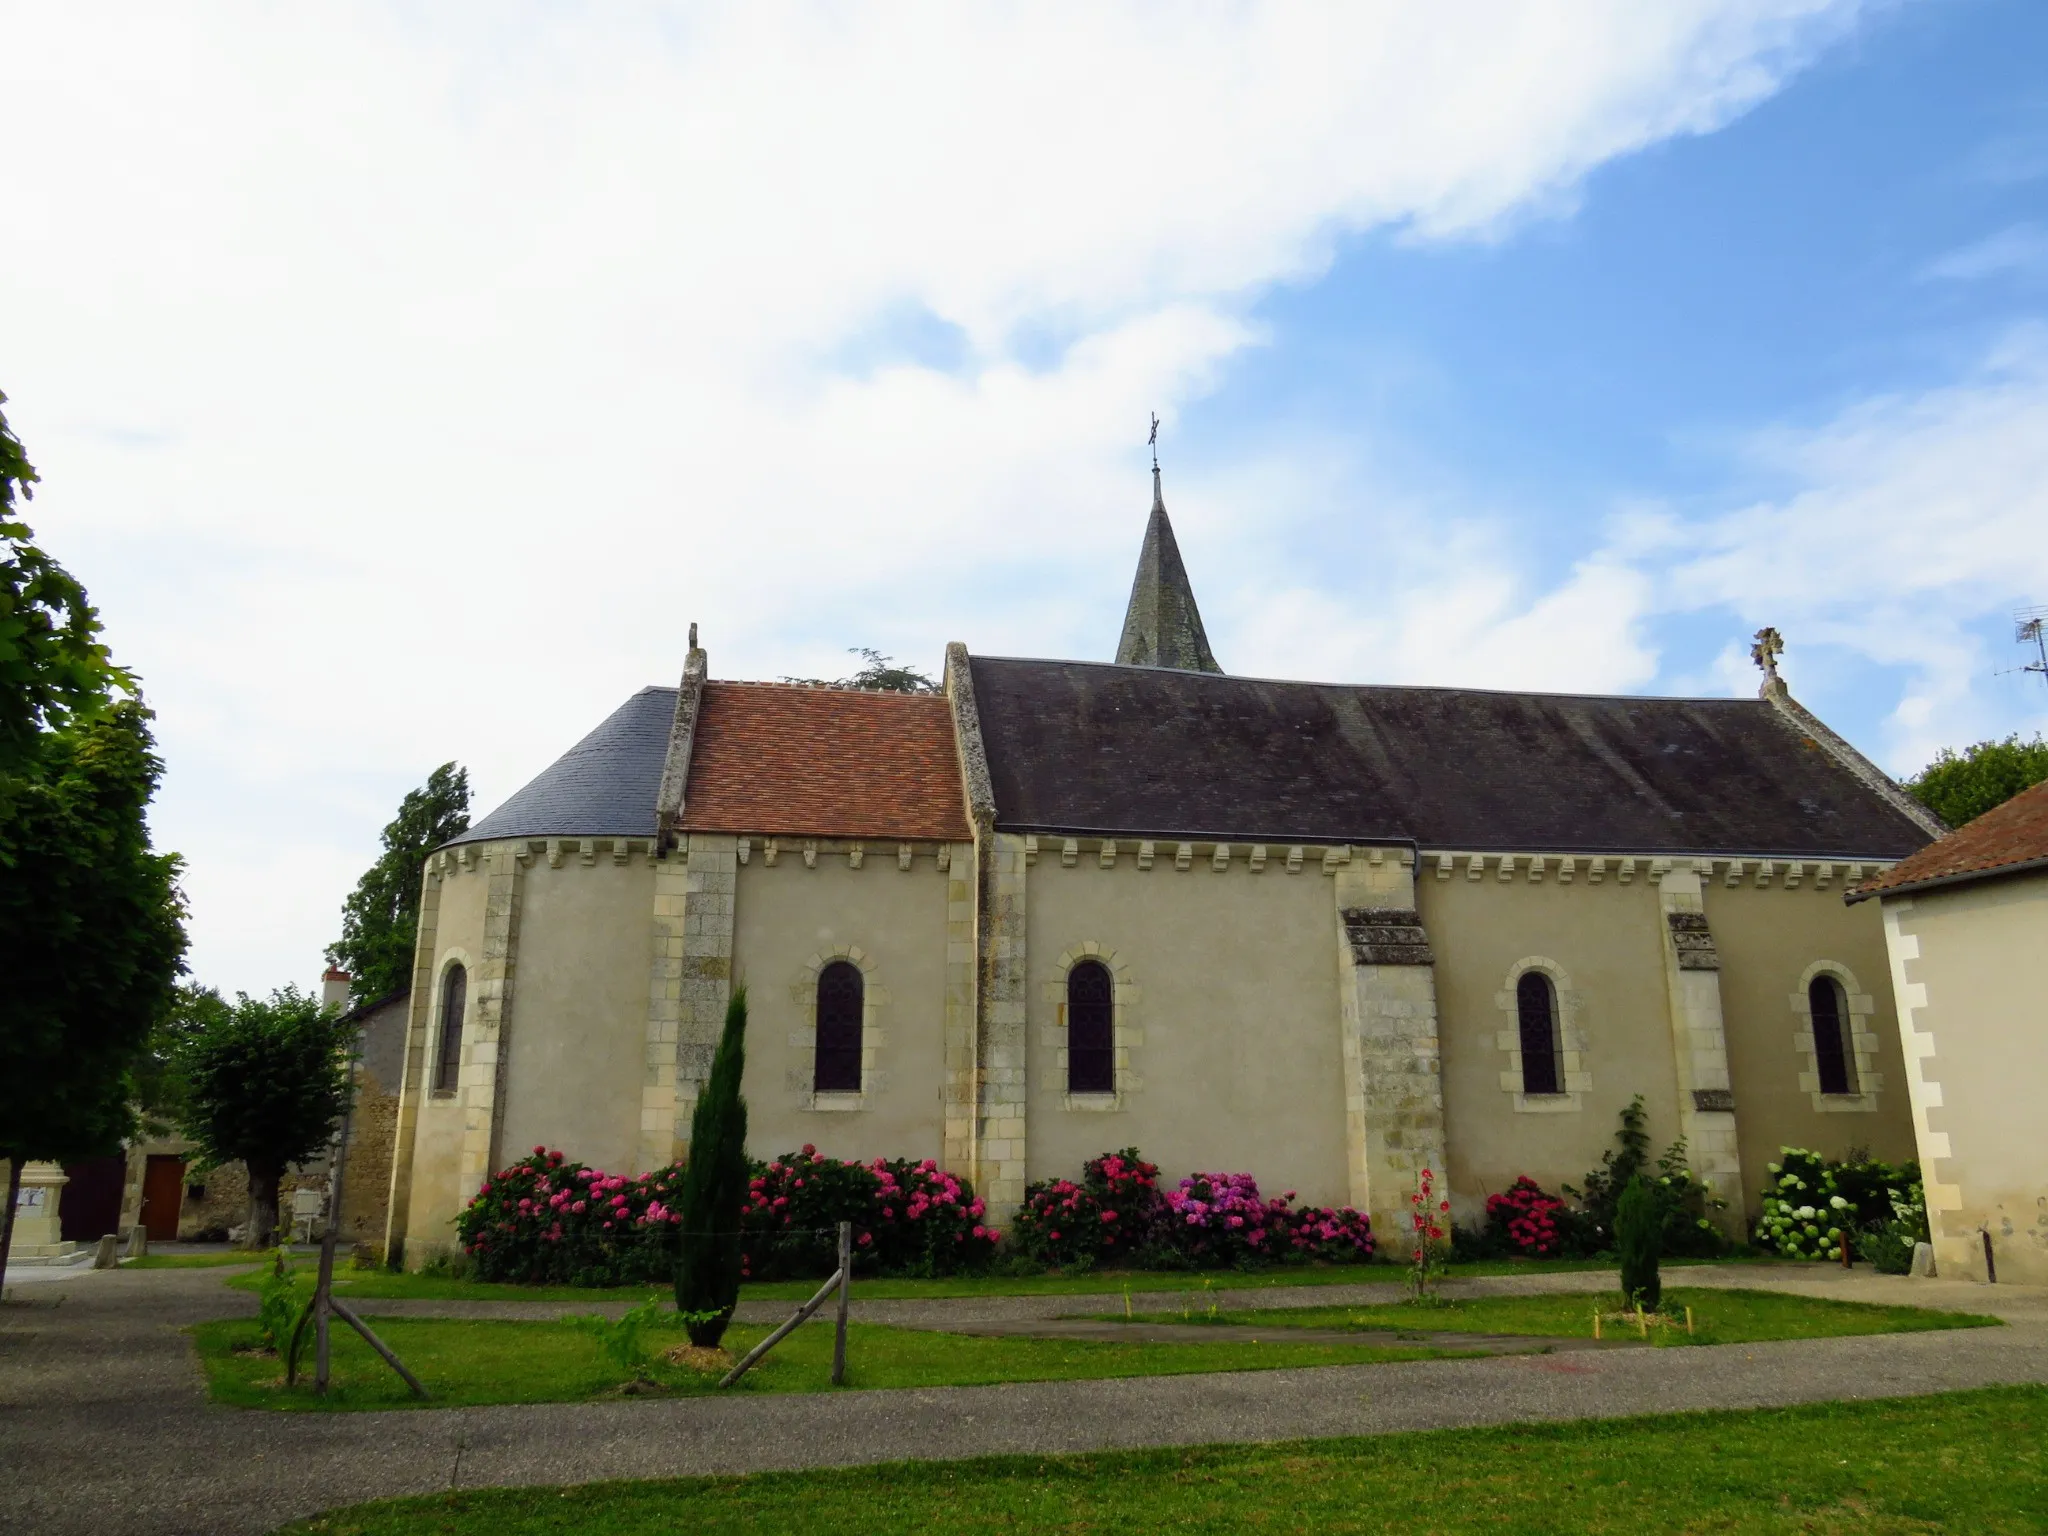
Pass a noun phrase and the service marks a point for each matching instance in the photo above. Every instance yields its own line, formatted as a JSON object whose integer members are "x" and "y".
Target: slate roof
{"x": 767, "y": 758}
{"x": 1085, "y": 747}
{"x": 604, "y": 786}
{"x": 2008, "y": 839}
{"x": 824, "y": 762}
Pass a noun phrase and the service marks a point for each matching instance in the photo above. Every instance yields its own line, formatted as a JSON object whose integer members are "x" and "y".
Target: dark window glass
{"x": 841, "y": 992}
{"x": 1536, "y": 1006}
{"x": 1091, "y": 1033}
{"x": 1831, "y": 1036}
{"x": 454, "y": 997}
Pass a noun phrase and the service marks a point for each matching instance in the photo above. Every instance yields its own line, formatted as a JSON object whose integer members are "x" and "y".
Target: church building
{"x": 1326, "y": 933}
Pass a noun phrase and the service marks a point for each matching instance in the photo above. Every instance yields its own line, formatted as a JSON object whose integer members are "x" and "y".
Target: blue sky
{"x": 404, "y": 383}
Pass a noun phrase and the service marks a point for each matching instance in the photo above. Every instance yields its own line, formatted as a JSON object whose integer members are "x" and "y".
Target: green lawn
{"x": 384, "y": 1285}
{"x": 465, "y": 1363}
{"x": 193, "y": 1260}
{"x": 1964, "y": 1462}
{"x": 1719, "y": 1317}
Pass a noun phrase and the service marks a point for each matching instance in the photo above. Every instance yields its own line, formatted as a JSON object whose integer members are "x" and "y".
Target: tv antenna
{"x": 2028, "y": 625}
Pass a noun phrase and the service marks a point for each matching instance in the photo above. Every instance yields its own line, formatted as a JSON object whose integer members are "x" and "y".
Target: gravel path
{"x": 106, "y": 1429}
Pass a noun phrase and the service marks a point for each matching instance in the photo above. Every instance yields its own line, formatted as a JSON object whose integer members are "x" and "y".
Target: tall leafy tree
{"x": 53, "y": 666}
{"x": 1961, "y": 786}
{"x": 91, "y": 939}
{"x": 380, "y": 921}
{"x": 91, "y": 924}
{"x": 263, "y": 1083}
{"x": 715, "y": 1188}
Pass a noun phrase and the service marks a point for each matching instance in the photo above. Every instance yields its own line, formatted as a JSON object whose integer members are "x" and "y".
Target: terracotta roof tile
{"x": 2003, "y": 840}
{"x": 783, "y": 759}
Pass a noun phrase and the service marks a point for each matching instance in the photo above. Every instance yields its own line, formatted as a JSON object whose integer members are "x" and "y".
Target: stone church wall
{"x": 1600, "y": 945}
{"x": 790, "y": 921}
{"x": 578, "y": 1034}
{"x": 1772, "y": 941}
{"x": 1228, "y": 1016}
{"x": 434, "y": 1169}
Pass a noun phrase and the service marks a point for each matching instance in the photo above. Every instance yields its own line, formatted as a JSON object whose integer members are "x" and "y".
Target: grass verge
{"x": 193, "y": 1260}
{"x": 384, "y": 1285}
{"x": 1719, "y": 1316}
{"x": 467, "y": 1363}
{"x": 1966, "y": 1461}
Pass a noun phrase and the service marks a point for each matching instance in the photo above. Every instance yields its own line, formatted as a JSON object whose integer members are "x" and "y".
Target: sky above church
{"x": 404, "y": 380}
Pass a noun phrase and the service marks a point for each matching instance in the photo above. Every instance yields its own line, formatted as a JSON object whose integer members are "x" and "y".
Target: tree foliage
{"x": 881, "y": 673}
{"x": 264, "y": 1082}
{"x": 380, "y": 921}
{"x": 53, "y": 667}
{"x": 715, "y": 1188}
{"x": 1638, "y": 1238}
{"x": 91, "y": 934}
{"x": 1961, "y": 786}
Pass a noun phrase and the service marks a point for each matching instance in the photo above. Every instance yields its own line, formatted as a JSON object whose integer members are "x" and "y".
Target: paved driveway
{"x": 104, "y": 1427}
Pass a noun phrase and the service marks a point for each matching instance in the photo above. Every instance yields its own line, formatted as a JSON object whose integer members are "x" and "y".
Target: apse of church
{"x": 1329, "y": 934}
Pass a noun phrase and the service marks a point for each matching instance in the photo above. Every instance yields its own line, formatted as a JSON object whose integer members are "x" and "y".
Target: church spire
{"x": 1162, "y": 626}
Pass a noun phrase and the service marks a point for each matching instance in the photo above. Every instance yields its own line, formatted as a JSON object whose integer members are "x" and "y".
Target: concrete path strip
{"x": 105, "y": 1427}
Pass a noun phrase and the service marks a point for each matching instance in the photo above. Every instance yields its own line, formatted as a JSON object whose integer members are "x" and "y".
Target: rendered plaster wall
{"x": 434, "y": 1196}
{"x": 789, "y": 921}
{"x": 1975, "y": 992}
{"x": 1771, "y": 939}
{"x": 576, "y": 1046}
{"x": 1602, "y": 944}
{"x": 1229, "y": 1027}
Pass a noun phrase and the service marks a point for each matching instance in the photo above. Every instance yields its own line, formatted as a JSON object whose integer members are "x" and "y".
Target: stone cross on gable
{"x": 1770, "y": 645}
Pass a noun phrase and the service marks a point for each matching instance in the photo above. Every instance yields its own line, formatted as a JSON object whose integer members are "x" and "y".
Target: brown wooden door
{"x": 92, "y": 1200}
{"x": 163, "y": 1187}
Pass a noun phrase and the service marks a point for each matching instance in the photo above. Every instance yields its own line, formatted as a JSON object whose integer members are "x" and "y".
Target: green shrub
{"x": 278, "y": 1310}
{"x": 1686, "y": 1205}
{"x": 715, "y": 1189}
{"x": 1638, "y": 1235}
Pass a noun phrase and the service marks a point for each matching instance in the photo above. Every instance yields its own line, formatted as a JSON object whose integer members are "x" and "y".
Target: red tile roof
{"x": 784, "y": 759}
{"x": 2004, "y": 840}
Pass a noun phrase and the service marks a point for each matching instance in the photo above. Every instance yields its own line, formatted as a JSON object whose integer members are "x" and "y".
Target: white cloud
{"x": 2020, "y": 249}
{"x": 1913, "y": 523}
{"x": 404, "y": 380}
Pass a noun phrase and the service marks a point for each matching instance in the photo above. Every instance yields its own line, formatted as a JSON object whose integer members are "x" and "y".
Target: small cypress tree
{"x": 715, "y": 1187}
{"x": 1638, "y": 1230}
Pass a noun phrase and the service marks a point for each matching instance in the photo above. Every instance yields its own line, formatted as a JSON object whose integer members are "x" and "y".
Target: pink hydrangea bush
{"x": 909, "y": 1218}
{"x": 548, "y": 1221}
{"x": 1222, "y": 1219}
{"x": 1526, "y": 1219}
{"x": 1111, "y": 1216}
{"x": 1118, "y": 1214}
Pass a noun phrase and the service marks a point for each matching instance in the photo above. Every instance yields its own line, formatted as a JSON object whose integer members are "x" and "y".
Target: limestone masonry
{"x": 1313, "y": 908}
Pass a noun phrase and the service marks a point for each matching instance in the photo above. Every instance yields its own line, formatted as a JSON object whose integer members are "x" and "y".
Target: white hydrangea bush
{"x": 1804, "y": 1215}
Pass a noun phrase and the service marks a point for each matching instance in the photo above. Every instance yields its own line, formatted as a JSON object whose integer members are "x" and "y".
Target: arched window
{"x": 1536, "y": 1008}
{"x": 454, "y": 997}
{"x": 1091, "y": 1031}
{"x": 841, "y": 996}
{"x": 1831, "y": 1056}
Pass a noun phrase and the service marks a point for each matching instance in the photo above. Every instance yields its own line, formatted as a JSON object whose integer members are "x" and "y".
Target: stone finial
{"x": 1162, "y": 626}
{"x": 1770, "y": 645}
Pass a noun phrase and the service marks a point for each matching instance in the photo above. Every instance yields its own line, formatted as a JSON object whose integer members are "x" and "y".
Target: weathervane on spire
{"x": 1154, "y": 441}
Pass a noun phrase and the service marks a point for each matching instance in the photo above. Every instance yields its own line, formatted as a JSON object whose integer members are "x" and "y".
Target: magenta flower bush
{"x": 1526, "y": 1218}
{"x": 545, "y": 1221}
{"x": 1118, "y": 1214}
{"x": 1112, "y": 1215}
{"x": 909, "y": 1218}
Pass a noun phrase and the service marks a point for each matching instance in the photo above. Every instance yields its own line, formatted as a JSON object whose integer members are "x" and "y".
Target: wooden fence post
{"x": 845, "y": 1275}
